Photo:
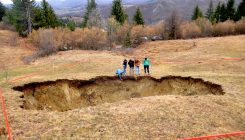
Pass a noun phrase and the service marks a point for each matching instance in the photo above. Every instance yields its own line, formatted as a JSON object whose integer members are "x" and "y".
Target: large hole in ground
{"x": 63, "y": 95}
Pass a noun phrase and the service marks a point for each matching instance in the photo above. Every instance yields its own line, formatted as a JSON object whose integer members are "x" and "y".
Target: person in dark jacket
{"x": 131, "y": 65}
{"x": 125, "y": 64}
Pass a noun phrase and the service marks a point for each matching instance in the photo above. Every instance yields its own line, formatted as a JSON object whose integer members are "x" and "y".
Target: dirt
{"x": 64, "y": 95}
{"x": 2, "y": 131}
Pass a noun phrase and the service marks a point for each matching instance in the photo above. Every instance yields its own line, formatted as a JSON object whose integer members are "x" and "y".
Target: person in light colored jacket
{"x": 137, "y": 66}
{"x": 146, "y": 63}
{"x": 119, "y": 72}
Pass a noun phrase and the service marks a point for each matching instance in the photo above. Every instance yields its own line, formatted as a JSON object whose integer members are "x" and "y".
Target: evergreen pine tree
{"x": 197, "y": 13}
{"x": 20, "y": 15}
{"x": 240, "y": 10}
{"x": 91, "y": 5}
{"x": 210, "y": 12}
{"x": 138, "y": 18}
{"x": 71, "y": 25}
{"x": 217, "y": 13}
{"x": 223, "y": 13}
{"x": 49, "y": 18}
{"x": 127, "y": 41}
{"x": 118, "y": 12}
{"x": 230, "y": 10}
{"x": 2, "y": 11}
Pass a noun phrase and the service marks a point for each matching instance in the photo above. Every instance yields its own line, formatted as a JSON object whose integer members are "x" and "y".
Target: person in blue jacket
{"x": 146, "y": 63}
{"x": 120, "y": 72}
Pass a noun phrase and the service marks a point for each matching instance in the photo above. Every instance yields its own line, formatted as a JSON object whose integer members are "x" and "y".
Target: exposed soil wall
{"x": 63, "y": 95}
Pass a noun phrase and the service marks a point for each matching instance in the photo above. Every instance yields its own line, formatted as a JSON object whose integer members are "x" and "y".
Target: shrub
{"x": 206, "y": 26}
{"x": 138, "y": 31}
{"x": 94, "y": 39}
{"x": 121, "y": 33}
{"x": 46, "y": 45}
{"x": 190, "y": 30}
{"x": 6, "y": 26}
{"x": 148, "y": 31}
{"x": 224, "y": 28}
{"x": 240, "y": 26}
{"x": 64, "y": 39}
{"x": 13, "y": 40}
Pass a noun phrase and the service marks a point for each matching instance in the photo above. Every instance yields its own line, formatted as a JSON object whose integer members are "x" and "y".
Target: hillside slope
{"x": 218, "y": 60}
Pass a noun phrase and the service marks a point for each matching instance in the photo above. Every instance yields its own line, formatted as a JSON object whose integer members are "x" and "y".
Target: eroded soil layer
{"x": 63, "y": 95}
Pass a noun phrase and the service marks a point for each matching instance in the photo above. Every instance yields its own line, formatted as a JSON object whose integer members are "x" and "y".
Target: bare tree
{"x": 172, "y": 27}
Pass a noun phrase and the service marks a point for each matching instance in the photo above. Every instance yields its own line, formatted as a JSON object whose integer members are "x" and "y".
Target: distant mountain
{"x": 74, "y": 3}
{"x": 153, "y": 10}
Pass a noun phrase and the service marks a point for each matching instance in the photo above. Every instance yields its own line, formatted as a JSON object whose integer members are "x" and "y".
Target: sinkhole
{"x": 64, "y": 95}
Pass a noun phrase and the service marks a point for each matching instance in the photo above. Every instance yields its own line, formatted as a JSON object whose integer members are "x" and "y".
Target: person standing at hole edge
{"x": 146, "y": 64}
{"x": 131, "y": 65}
{"x": 120, "y": 72}
{"x": 125, "y": 63}
{"x": 137, "y": 66}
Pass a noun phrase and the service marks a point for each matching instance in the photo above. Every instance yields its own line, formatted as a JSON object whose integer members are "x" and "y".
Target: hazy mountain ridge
{"x": 153, "y": 10}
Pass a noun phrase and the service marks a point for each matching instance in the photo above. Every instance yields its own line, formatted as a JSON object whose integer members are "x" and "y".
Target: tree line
{"x": 26, "y": 15}
{"x": 222, "y": 12}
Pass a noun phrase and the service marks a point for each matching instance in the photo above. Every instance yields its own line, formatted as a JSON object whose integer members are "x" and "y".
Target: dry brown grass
{"x": 159, "y": 117}
{"x": 12, "y": 49}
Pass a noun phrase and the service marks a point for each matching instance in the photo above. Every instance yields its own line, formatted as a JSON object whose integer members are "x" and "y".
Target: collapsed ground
{"x": 218, "y": 60}
{"x": 63, "y": 95}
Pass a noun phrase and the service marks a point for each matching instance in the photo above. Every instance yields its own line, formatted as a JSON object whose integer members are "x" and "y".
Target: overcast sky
{"x": 9, "y": 1}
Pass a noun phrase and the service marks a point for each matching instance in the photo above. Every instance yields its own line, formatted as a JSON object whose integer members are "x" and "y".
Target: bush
{"x": 240, "y": 26}
{"x": 140, "y": 31}
{"x": 13, "y": 40}
{"x": 65, "y": 39}
{"x": 206, "y": 26}
{"x": 190, "y": 30}
{"x": 46, "y": 45}
{"x": 6, "y": 26}
{"x": 94, "y": 39}
{"x": 224, "y": 28}
{"x": 121, "y": 33}
{"x": 71, "y": 25}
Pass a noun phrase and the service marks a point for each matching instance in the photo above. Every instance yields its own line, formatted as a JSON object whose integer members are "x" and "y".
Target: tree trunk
{"x": 28, "y": 15}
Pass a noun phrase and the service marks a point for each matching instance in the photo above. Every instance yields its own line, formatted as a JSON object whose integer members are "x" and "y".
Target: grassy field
{"x": 219, "y": 60}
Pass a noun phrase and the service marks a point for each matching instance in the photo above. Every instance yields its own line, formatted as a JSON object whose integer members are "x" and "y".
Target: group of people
{"x": 134, "y": 66}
